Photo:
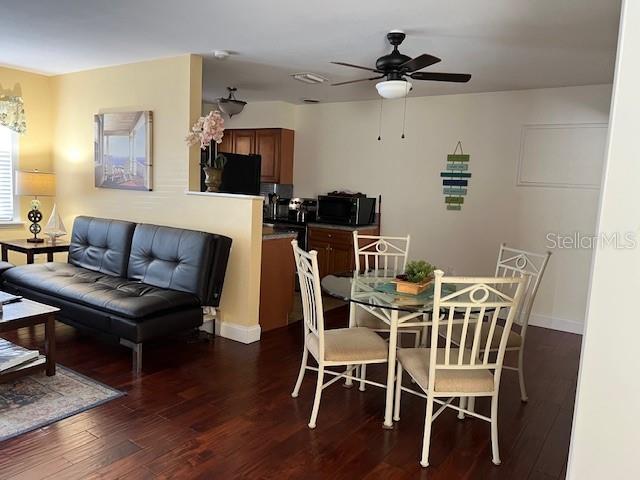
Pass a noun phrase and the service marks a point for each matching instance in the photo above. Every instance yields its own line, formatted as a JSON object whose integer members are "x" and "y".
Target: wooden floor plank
{"x": 218, "y": 409}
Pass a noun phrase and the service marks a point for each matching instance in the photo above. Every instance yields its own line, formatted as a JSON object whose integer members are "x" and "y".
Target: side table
{"x": 32, "y": 249}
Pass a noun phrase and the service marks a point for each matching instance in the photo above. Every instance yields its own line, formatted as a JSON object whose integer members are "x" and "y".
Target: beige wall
{"x": 34, "y": 149}
{"x": 171, "y": 89}
{"x": 337, "y": 148}
{"x": 606, "y": 430}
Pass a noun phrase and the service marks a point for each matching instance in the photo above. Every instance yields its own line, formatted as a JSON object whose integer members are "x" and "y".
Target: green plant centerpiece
{"x": 416, "y": 278}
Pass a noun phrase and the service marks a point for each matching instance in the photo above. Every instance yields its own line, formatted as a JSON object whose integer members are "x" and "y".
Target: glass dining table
{"x": 374, "y": 292}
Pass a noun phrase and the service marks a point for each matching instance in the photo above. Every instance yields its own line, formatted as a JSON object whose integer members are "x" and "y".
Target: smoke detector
{"x": 221, "y": 54}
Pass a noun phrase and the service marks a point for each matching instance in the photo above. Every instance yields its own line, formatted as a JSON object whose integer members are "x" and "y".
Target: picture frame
{"x": 123, "y": 150}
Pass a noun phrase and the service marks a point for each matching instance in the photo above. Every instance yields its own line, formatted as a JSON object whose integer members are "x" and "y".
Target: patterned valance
{"x": 12, "y": 114}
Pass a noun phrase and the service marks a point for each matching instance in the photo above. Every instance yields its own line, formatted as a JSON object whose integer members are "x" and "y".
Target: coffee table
{"x": 27, "y": 313}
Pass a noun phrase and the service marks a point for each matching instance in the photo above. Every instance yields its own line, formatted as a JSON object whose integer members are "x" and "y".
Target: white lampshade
{"x": 35, "y": 184}
{"x": 393, "y": 88}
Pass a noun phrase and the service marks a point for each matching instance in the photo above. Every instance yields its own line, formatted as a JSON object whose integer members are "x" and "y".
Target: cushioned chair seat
{"x": 115, "y": 295}
{"x": 369, "y": 320}
{"x": 513, "y": 341}
{"x": 415, "y": 361}
{"x": 350, "y": 344}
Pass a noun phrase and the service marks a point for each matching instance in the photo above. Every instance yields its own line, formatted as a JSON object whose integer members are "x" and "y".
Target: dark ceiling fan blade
{"x": 356, "y": 66}
{"x": 356, "y": 81}
{"x": 441, "y": 77}
{"x": 418, "y": 63}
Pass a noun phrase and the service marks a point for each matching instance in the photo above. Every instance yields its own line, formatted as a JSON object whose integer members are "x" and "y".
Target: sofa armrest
{"x": 4, "y": 266}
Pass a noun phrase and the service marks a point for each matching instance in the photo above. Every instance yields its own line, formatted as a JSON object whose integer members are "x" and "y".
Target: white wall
{"x": 336, "y": 148}
{"x": 606, "y": 430}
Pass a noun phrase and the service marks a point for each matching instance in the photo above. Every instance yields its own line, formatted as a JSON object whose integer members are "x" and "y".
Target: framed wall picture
{"x": 123, "y": 150}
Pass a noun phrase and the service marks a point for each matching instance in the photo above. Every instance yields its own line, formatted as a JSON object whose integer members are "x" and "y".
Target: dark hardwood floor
{"x": 218, "y": 409}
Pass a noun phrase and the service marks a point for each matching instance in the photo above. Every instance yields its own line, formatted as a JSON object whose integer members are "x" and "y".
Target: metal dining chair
{"x": 531, "y": 266}
{"x": 375, "y": 252}
{"x": 350, "y": 347}
{"x": 462, "y": 370}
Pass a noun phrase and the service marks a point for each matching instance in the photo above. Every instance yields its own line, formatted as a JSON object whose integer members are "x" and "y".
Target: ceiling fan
{"x": 395, "y": 67}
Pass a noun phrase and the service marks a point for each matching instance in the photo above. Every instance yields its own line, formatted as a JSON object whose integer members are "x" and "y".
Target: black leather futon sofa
{"x": 132, "y": 282}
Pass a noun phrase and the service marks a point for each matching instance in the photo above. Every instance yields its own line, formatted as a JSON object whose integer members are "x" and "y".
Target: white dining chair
{"x": 531, "y": 266}
{"x": 375, "y": 252}
{"x": 330, "y": 348}
{"x": 463, "y": 370}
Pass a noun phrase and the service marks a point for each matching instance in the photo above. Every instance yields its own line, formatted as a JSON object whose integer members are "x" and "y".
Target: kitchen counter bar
{"x": 269, "y": 233}
{"x": 348, "y": 228}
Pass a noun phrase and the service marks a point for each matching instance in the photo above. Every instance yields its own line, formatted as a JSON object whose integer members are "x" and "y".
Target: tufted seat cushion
{"x": 415, "y": 361}
{"x": 93, "y": 289}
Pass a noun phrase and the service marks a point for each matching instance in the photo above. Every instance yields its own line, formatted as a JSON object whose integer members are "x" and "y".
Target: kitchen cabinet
{"x": 227, "y": 142}
{"x": 274, "y": 145}
{"x": 335, "y": 247}
{"x": 277, "y": 280}
{"x": 268, "y": 147}
{"x": 244, "y": 142}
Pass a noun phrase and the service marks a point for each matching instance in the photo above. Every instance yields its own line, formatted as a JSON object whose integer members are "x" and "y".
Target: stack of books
{"x": 12, "y": 355}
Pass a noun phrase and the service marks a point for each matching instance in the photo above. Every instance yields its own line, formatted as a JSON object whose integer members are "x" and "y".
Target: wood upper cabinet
{"x": 226, "y": 146}
{"x": 274, "y": 145}
{"x": 268, "y": 147}
{"x": 244, "y": 142}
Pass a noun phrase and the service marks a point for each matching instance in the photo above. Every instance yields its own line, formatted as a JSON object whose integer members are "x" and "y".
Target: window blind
{"x": 6, "y": 174}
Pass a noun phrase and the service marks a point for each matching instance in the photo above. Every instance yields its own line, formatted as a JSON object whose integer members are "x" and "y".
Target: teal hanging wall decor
{"x": 455, "y": 179}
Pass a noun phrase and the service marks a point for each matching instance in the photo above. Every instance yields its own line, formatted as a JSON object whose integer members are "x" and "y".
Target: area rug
{"x": 35, "y": 401}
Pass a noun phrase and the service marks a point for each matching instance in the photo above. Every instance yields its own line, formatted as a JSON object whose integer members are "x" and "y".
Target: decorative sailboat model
{"x": 55, "y": 228}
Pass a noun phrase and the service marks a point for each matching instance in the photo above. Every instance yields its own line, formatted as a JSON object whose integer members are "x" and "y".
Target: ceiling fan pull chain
{"x": 404, "y": 114}
{"x": 380, "y": 122}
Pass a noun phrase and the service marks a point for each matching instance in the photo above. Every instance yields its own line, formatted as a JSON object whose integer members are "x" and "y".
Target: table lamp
{"x": 35, "y": 184}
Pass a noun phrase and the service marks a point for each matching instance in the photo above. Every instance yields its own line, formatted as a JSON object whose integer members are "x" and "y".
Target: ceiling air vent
{"x": 310, "y": 100}
{"x": 311, "y": 78}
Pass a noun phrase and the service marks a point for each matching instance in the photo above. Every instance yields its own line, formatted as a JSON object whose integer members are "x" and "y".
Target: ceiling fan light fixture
{"x": 230, "y": 105}
{"x": 393, "y": 88}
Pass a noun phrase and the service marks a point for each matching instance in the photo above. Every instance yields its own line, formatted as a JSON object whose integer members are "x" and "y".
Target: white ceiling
{"x": 505, "y": 44}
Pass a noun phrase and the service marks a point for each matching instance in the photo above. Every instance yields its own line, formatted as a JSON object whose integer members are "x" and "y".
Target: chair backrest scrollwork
{"x": 374, "y": 252}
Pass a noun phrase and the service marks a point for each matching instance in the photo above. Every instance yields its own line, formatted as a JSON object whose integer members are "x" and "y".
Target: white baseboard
{"x": 555, "y": 323}
{"x": 239, "y": 333}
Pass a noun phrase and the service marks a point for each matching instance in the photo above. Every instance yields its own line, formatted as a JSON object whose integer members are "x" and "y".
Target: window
{"x": 8, "y": 155}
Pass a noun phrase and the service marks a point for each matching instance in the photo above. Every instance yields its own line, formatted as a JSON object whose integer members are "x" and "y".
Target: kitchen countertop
{"x": 269, "y": 222}
{"x": 269, "y": 233}
{"x": 348, "y": 228}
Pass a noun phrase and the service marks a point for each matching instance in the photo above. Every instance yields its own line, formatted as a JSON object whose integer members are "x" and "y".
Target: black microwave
{"x": 344, "y": 210}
